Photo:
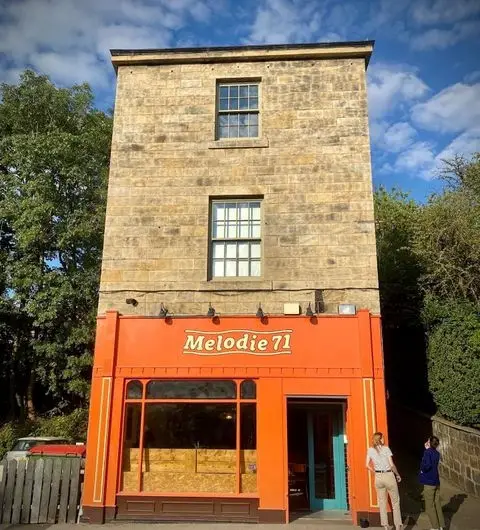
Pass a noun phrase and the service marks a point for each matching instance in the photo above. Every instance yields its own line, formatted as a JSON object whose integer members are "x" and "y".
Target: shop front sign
{"x": 237, "y": 341}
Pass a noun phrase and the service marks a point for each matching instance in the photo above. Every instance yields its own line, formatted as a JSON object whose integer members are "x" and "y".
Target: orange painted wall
{"x": 337, "y": 356}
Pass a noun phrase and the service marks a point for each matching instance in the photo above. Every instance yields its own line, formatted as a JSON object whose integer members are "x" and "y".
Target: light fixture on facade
{"x": 163, "y": 311}
{"x": 260, "y": 313}
{"x": 131, "y": 301}
{"x": 211, "y": 311}
{"x": 347, "y": 309}
{"x": 309, "y": 312}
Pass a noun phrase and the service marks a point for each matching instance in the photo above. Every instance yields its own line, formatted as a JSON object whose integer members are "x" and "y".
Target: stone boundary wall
{"x": 459, "y": 446}
{"x": 460, "y": 449}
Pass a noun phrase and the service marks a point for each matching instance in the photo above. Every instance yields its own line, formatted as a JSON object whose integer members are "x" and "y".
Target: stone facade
{"x": 310, "y": 164}
{"x": 460, "y": 449}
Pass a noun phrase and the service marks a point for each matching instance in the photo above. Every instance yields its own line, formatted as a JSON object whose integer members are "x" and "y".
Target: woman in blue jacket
{"x": 430, "y": 479}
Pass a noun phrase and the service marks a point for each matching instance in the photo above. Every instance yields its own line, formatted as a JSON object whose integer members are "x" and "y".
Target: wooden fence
{"x": 44, "y": 490}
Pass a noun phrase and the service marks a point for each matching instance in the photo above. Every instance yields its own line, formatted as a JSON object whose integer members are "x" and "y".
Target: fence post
{"x": 3, "y": 480}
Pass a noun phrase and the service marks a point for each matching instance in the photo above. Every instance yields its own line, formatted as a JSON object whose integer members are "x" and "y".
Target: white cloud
{"x": 443, "y": 38}
{"x": 59, "y": 67}
{"x": 384, "y": 13}
{"x": 418, "y": 157}
{"x": 423, "y": 160}
{"x": 454, "y": 109}
{"x": 129, "y": 37}
{"x": 398, "y": 137}
{"x": 472, "y": 76}
{"x": 377, "y": 131}
{"x": 281, "y": 21}
{"x": 391, "y": 85}
{"x": 69, "y": 39}
{"x": 429, "y": 12}
{"x": 465, "y": 145}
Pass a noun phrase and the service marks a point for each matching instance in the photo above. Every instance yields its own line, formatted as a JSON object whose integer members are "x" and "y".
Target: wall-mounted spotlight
{"x": 211, "y": 311}
{"x": 163, "y": 311}
{"x": 131, "y": 301}
{"x": 260, "y": 313}
{"x": 347, "y": 309}
{"x": 309, "y": 312}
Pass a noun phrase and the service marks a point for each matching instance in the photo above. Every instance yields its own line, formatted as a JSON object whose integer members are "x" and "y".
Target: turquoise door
{"x": 326, "y": 459}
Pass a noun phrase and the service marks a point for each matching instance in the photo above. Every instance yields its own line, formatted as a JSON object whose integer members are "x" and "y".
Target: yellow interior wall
{"x": 190, "y": 470}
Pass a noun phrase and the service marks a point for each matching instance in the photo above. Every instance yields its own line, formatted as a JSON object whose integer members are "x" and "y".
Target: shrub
{"x": 9, "y": 432}
{"x": 72, "y": 426}
{"x": 454, "y": 358}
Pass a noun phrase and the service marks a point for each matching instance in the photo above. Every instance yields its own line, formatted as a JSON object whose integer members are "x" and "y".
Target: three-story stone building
{"x": 238, "y": 369}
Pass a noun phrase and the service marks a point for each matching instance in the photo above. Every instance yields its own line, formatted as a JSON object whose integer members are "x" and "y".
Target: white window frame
{"x": 250, "y": 112}
{"x": 231, "y": 238}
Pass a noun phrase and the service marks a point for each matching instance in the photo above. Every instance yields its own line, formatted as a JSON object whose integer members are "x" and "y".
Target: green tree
{"x": 54, "y": 152}
{"x": 447, "y": 239}
{"x": 447, "y": 242}
{"x": 401, "y": 297}
{"x": 399, "y": 267}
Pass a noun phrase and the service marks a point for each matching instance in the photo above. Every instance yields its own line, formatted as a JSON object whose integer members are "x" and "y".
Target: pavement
{"x": 461, "y": 511}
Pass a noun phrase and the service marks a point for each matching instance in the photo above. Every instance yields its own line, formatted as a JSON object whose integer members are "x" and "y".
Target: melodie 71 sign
{"x": 235, "y": 341}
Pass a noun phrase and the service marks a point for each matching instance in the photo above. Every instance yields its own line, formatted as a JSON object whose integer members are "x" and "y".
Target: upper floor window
{"x": 237, "y": 110}
{"x": 236, "y": 238}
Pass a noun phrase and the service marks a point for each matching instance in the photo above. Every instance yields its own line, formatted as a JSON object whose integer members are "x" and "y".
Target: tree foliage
{"x": 401, "y": 298}
{"x": 399, "y": 268}
{"x": 448, "y": 234}
{"x": 454, "y": 358}
{"x": 72, "y": 426}
{"x": 429, "y": 269}
{"x": 54, "y": 151}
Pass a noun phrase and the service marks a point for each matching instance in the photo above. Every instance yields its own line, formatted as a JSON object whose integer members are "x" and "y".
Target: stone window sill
{"x": 243, "y": 143}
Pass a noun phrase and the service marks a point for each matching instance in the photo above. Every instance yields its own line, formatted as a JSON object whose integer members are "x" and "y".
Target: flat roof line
{"x": 148, "y": 51}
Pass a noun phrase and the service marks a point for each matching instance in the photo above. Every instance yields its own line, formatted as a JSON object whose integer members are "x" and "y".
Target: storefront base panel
{"x": 98, "y": 514}
{"x": 157, "y": 508}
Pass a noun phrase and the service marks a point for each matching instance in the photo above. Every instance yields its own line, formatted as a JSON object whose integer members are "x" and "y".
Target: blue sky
{"x": 424, "y": 78}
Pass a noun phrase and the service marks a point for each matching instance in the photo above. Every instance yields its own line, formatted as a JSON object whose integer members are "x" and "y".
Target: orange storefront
{"x": 233, "y": 418}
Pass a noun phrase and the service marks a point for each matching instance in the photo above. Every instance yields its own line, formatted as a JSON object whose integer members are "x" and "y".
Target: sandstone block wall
{"x": 460, "y": 450}
{"x": 311, "y": 165}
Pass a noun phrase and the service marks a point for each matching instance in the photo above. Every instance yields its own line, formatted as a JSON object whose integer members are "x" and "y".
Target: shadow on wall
{"x": 408, "y": 431}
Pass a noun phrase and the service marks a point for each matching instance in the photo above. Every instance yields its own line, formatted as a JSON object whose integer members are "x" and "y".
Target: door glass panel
{"x": 323, "y": 453}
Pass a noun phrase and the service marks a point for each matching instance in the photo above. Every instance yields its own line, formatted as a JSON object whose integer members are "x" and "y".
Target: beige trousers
{"x": 386, "y": 484}
{"x": 433, "y": 506}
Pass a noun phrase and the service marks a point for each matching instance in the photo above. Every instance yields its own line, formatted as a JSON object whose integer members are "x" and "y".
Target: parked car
{"x": 23, "y": 445}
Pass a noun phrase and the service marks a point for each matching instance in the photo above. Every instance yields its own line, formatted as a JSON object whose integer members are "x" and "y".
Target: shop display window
{"x": 190, "y": 436}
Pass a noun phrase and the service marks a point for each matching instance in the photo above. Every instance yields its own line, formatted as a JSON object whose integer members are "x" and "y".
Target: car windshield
{"x": 25, "y": 445}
